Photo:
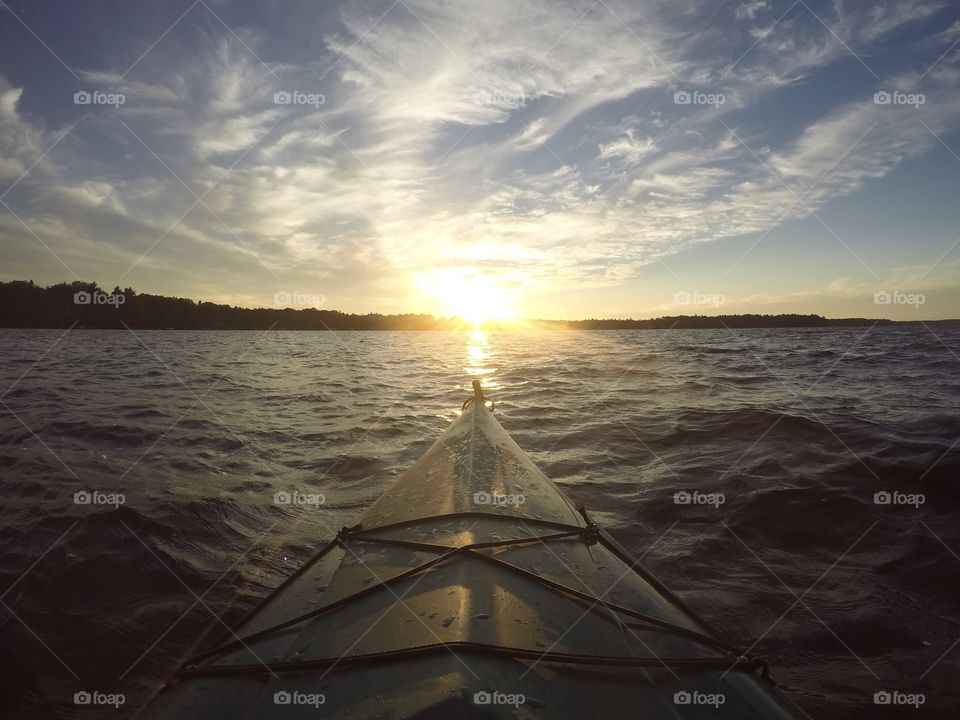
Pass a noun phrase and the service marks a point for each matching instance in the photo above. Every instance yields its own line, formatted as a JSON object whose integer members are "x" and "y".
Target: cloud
{"x": 539, "y": 141}
{"x": 628, "y": 148}
{"x": 21, "y": 143}
{"x": 884, "y": 19}
{"x": 912, "y": 279}
{"x": 750, "y": 9}
{"x": 949, "y": 36}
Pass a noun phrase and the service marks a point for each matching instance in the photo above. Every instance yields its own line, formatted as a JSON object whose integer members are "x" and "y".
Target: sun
{"x": 470, "y": 294}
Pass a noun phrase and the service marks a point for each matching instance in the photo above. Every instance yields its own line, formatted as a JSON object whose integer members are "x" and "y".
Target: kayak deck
{"x": 472, "y": 578}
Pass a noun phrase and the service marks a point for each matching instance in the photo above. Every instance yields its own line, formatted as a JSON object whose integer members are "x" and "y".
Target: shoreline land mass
{"x": 84, "y": 305}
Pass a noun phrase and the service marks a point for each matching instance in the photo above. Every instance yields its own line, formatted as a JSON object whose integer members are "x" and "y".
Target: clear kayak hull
{"x": 473, "y": 587}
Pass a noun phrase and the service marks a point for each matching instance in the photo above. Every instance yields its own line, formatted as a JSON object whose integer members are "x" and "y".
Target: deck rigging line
{"x": 731, "y": 659}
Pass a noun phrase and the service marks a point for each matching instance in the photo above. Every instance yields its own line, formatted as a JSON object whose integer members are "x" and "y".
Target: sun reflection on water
{"x": 480, "y": 359}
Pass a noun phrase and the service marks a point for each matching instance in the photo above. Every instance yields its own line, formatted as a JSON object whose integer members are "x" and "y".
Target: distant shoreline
{"x": 86, "y": 306}
{"x": 526, "y": 326}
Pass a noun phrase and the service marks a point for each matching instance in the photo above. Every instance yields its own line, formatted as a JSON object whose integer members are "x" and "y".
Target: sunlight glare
{"x": 478, "y": 354}
{"x": 471, "y": 295}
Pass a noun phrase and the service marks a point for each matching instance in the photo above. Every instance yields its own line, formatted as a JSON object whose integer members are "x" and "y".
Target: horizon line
{"x": 515, "y": 322}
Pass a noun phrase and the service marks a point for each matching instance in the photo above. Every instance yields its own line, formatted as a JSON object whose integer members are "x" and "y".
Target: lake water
{"x": 794, "y": 430}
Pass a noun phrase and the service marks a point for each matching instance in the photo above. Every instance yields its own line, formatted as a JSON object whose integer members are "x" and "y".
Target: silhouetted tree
{"x": 23, "y": 303}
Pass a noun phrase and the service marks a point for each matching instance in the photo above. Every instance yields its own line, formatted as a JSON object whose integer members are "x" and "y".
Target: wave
{"x": 623, "y": 422}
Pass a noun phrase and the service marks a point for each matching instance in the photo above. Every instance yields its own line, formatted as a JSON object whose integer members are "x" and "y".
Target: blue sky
{"x": 569, "y": 159}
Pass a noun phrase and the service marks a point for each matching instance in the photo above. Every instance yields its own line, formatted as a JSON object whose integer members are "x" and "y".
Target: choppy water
{"x": 796, "y": 428}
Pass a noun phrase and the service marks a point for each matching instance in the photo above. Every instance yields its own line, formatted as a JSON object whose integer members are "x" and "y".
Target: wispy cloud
{"x": 542, "y": 141}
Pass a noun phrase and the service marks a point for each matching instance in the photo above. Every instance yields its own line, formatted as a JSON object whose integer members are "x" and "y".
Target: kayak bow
{"x": 472, "y": 587}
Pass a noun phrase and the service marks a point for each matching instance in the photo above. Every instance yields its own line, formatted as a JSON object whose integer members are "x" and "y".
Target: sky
{"x": 544, "y": 158}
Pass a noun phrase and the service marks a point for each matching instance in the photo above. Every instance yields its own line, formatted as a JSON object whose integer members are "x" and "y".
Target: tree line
{"x": 24, "y": 304}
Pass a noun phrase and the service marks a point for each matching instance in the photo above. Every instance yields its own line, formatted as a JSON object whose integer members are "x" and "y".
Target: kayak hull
{"x": 472, "y": 586}
{"x": 428, "y": 687}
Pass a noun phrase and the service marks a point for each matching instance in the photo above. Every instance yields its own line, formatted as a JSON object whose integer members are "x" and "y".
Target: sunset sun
{"x": 470, "y": 295}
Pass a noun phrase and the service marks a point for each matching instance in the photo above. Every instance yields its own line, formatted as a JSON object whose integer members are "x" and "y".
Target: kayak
{"x": 472, "y": 588}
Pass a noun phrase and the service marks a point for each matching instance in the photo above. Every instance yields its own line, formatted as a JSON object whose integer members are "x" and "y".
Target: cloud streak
{"x": 540, "y": 142}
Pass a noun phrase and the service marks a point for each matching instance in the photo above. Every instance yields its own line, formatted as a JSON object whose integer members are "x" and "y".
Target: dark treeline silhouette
{"x": 24, "y": 304}
{"x": 721, "y": 321}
